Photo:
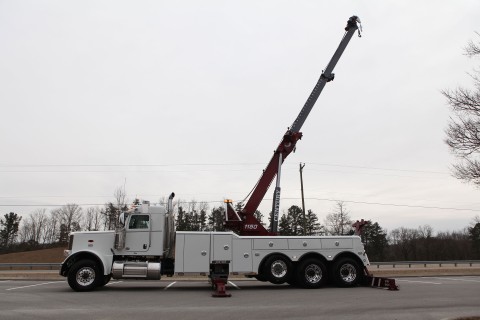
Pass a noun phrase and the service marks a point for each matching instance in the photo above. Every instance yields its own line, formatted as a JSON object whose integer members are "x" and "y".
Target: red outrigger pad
{"x": 381, "y": 282}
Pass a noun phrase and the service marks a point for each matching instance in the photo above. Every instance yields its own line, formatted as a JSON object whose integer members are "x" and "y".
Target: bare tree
{"x": 425, "y": 231}
{"x": 32, "y": 228}
{"x": 92, "y": 219}
{"x": 404, "y": 240}
{"x": 86, "y": 222}
{"x": 38, "y": 220}
{"x": 112, "y": 210}
{"x": 463, "y": 131}
{"x": 120, "y": 197}
{"x": 70, "y": 215}
{"x": 97, "y": 219}
{"x": 338, "y": 222}
{"x": 52, "y": 227}
{"x": 121, "y": 203}
{"x": 24, "y": 232}
{"x": 472, "y": 48}
{"x": 475, "y": 220}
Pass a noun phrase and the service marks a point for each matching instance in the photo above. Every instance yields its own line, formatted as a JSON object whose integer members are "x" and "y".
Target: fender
{"x": 262, "y": 263}
{"x": 105, "y": 261}
{"x": 348, "y": 254}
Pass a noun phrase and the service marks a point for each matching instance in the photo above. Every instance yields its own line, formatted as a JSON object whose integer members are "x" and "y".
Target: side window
{"x": 139, "y": 222}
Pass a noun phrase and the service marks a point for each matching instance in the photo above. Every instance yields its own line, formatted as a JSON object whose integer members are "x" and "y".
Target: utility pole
{"x": 303, "y": 199}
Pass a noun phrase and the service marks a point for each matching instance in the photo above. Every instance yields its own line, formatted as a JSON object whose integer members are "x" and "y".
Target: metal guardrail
{"x": 393, "y": 264}
{"x": 440, "y": 264}
{"x": 30, "y": 266}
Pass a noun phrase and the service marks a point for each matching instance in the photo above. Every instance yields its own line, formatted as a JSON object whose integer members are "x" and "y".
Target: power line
{"x": 127, "y": 165}
{"x": 392, "y": 204}
{"x": 196, "y": 164}
{"x": 91, "y": 204}
{"x": 381, "y": 174}
{"x": 287, "y": 198}
{"x": 376, "y": 168}
{"x": 207, "y": 170}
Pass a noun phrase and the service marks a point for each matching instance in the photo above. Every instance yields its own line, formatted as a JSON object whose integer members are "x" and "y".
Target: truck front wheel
{"x": 84, "y": 275}
{"x": 106, "y": 279}
{"x": 278, "y": 269}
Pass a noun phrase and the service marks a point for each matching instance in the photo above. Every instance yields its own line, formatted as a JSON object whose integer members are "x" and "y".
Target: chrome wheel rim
{"x": 348, "y": 273}
{"x": 313, "y": 273}
{"x": 85, "y": 276}
{"x": 279, "y": 269}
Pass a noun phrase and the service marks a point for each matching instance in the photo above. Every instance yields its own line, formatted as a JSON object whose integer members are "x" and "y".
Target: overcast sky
{"x": 194, "y": 96}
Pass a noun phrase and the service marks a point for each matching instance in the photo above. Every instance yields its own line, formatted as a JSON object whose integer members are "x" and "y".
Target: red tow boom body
{"x": 244, "y": 222}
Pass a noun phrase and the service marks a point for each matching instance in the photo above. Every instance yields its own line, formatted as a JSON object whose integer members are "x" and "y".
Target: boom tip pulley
{"x": 354, "y": 22}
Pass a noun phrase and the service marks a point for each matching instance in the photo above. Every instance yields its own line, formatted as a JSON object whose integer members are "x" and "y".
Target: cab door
{"x": 138, "y": 233}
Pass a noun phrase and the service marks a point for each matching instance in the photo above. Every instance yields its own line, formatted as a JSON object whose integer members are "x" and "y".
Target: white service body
{"x": 148, "y": 247}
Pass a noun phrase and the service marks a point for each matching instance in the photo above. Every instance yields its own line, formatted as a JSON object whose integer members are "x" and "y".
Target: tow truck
{"x": 147, "y": 246}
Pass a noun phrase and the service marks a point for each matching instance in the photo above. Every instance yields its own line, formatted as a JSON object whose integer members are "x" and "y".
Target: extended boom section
{"x": 244, "y": 222}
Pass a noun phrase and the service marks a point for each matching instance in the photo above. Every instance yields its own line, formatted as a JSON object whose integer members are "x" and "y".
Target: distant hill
{"x": 52, "y": 255}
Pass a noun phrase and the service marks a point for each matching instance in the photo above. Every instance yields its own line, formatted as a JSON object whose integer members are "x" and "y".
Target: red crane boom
{"x": 244, "y": 222}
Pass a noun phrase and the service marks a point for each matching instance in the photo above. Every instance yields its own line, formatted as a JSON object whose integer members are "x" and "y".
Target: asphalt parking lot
{"x": 418, "y": 298}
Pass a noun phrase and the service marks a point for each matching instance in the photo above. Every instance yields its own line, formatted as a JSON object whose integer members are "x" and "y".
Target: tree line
{"x": 42, "y": 229}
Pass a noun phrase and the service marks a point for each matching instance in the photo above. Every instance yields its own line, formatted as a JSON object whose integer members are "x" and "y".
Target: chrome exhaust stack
{"x": 169, "y": 230}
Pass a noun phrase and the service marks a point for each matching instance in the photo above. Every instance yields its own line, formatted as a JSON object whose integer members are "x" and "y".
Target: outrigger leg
{"x": 219, "y": 271}
{"x": 379, "y": 282}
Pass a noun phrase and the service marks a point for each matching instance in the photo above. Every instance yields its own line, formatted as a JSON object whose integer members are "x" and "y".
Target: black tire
{"x": 278, "y": 269}
{"x": 347, "y": 272}
{"x": 293, "y": 281}
{"x": 311, "y": 274}
{"x": 84, "y": 275}
{"x": 106, "y": 279}
{"x": 260, "y": 277}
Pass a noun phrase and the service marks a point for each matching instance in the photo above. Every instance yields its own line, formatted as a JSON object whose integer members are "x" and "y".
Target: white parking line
{"x": 113, "y": 283}
{"x": 171, "y": 284}
{"x": 453, "y": 279}
{"x": 233, "y": 284}
{"x": 413, "y": 281}
{"x": 33, "y": 285}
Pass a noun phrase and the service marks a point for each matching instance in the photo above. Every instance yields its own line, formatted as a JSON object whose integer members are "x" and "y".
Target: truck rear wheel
{"x": 260, "y": 277}
{"x": 311, "y": 274}
{"x": 347, "y": 272}
{"x": 278, "y": 269}
{"x": 84, "y": 275}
